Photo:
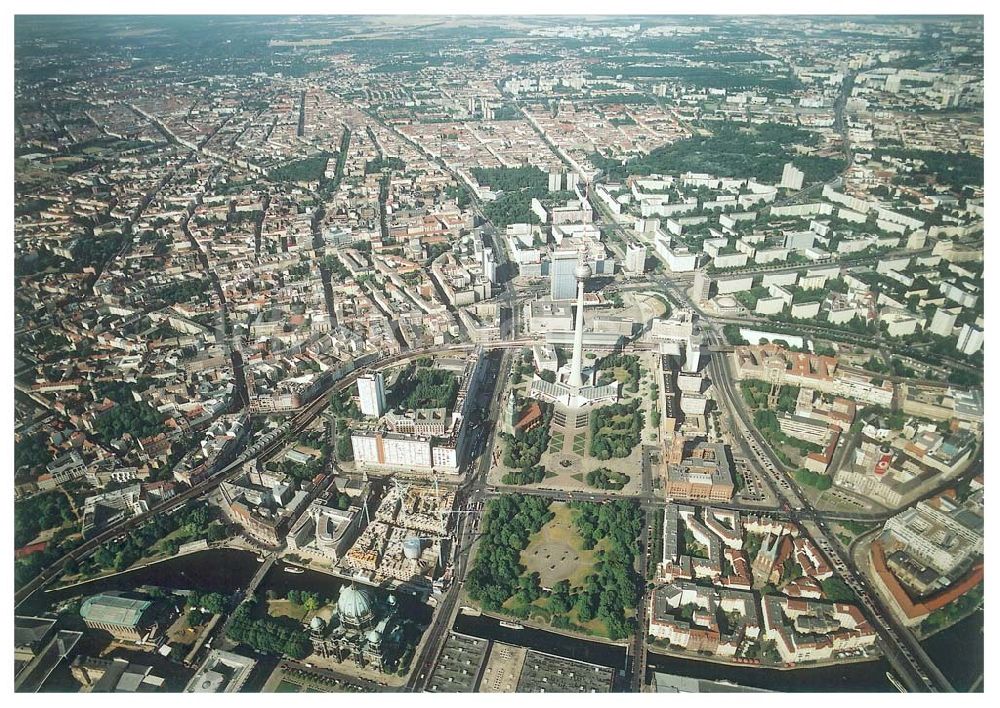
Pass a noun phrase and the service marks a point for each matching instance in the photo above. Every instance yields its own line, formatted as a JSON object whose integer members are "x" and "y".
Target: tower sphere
{"x": 583, "y": 271}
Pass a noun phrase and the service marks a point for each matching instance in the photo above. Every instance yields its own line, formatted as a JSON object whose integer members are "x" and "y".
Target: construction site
{"x": 407, "y": 540}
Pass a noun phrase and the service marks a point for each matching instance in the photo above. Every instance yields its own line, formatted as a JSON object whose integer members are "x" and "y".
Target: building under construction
{"x": 407, "y": 540}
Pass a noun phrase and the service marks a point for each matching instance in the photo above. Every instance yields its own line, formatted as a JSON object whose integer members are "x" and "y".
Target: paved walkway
{"x": 575, "y": 425}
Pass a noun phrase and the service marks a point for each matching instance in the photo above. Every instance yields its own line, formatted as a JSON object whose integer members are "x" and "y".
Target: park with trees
{"x": 508, "y": 524}
{"x": 424, "y": 387}
{"x": 523, "y": 449}
{"x": 601, "y": 595}
{"x": 509, "y": 179}
{"x": 528, "y": 475}
{"x": 276, "y": 636}
{"x": 953, "y": 611}
{"x": 758, "y": 151}
{"x": 604, "y": 478}
{"x": 812, "y": 479}
{"x": 757, "y": 395}
{"x": 39, "y": 513}
{"x": 517, "y": 187}
{"x": 213, "y": 603}
{"x": 611, "y": 592}
{"x": 31, "y": 452}
{"x": 623, "y": 368}
{"x": 514, "y": 207}
{"x": 136, "y": 418}
{"x": 309, "y": 169}
{"x": 956, "y": 169}
{"x": 164, "y": 533}
{"x": 615, "y": 430}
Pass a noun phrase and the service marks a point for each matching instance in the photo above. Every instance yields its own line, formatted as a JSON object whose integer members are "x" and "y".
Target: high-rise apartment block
{"x": 791, "y": 177}
{"x": 702, "y": 286}
{"x": 562, "y": 277}
{"x": 635, "y": 258}
{"x": 371, "y": 391}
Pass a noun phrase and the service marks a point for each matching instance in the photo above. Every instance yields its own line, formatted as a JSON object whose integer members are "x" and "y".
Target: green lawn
{"x": 557, "y": 539}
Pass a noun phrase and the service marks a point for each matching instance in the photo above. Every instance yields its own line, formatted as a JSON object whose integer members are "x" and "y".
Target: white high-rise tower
{"x": 582, "y": 272}
{"x": 573, "y": 389}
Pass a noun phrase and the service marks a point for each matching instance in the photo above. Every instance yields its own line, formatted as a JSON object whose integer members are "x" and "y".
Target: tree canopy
{"x": 614, "y": 586}
{"x": 759, "y": 151}
{"x": 508, "y": 523}
{"x": 419, "y": 387}
{"x": 268, "y": 634}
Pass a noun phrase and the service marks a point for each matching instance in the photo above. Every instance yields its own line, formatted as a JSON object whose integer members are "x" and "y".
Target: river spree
{"x": 541, "y": 640}
{"x": 958, "y": 650}
{"x": 868, "y": 676}
{"x": 216, "y": 570}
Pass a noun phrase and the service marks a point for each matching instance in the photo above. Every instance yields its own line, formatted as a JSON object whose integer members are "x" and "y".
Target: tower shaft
{"x": 576, "y": 369}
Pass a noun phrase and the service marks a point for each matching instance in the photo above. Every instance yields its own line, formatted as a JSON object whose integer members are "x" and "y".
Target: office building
{"x": 703, "y": 475}
{"x": 542, "y": 316}
{"x": 221, "y": 672}
{"x": 970, "y": 340}
{"x": 489, "y": 264}
{"x": 799, "y": 240}
{"x": 693, "y": 358}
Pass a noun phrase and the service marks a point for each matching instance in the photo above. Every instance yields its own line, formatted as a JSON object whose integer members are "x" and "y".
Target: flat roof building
{"x": 547, "y": 673}
{"x": 458, "y": 668}
{"x": 221, "y": 672}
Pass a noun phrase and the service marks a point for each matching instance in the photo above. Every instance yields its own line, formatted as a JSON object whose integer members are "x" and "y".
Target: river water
{"x": 868, "y": 676}
{"x": 215, "y": 570}
{"x": 958, "y": 650}
{"x": 549, "y": 642}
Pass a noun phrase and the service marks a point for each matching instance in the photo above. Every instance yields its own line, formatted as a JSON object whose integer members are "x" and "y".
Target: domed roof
{"x": 354, "y": 604}
{"x": 412, "y": 547}
{"x": 317, "y": 623}
{"x": 374, "y": 637}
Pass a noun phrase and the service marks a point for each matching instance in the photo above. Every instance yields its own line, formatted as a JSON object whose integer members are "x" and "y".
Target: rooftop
{"x": 108, "y": 608}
